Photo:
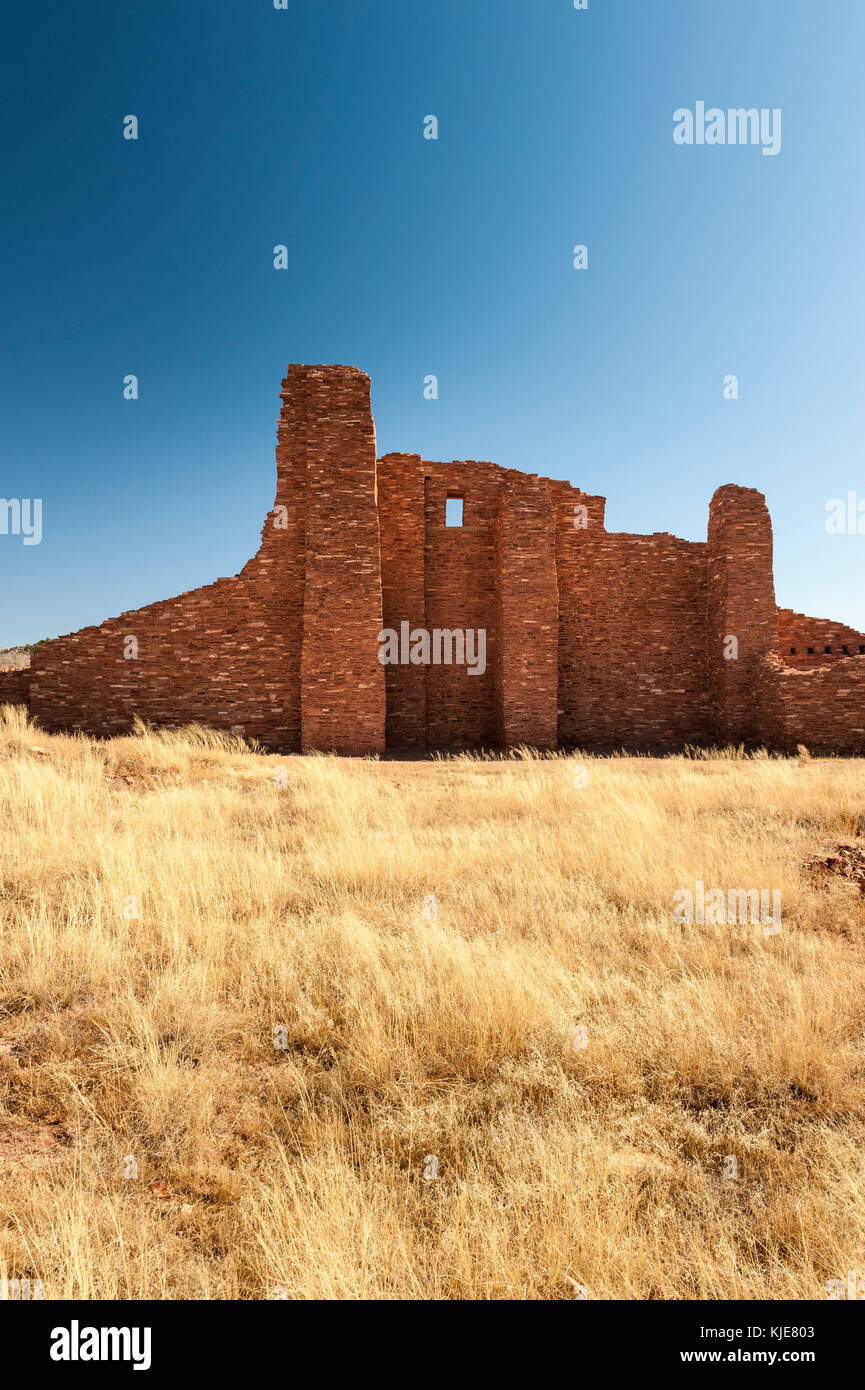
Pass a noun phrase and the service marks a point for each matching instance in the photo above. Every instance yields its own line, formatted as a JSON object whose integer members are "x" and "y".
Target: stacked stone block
{"x": 593, "y": 638}
{"x": 527, "y": 672}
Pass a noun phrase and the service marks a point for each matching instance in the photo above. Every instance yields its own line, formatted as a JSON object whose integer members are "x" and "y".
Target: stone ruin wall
{"x": 15, "y": 686}
{"x": 808, "y": 642}
{"x": 594, "y": 639}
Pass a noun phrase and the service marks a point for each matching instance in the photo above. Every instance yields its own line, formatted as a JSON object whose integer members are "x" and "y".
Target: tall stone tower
{"x": 741, "y": 608}
{"x": 326, "y": 481}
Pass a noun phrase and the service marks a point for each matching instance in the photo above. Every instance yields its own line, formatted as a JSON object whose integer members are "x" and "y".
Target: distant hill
{"x": 16, "y": 658}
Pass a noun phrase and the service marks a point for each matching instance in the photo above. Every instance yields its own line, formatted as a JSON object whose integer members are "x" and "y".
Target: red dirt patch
{"x": 846, "y": 861}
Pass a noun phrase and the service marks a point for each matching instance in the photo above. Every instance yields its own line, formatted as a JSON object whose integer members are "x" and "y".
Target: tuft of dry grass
{"x": 279, "y": 988}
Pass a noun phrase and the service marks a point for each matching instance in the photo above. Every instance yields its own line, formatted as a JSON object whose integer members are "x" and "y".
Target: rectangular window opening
{"x": 454, "y": 511}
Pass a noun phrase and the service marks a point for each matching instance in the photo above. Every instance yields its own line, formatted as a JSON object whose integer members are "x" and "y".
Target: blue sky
{"x": 408, "y": 257}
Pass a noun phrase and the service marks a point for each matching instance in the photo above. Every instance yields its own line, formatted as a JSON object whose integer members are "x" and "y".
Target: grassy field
{"x": 330, "y": 1012}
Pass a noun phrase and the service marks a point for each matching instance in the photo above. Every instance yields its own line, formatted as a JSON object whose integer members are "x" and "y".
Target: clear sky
{"x": 410, "y": 257}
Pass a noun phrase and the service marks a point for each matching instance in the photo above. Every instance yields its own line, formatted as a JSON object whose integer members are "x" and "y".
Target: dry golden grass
{"x": 301, "y": 1170}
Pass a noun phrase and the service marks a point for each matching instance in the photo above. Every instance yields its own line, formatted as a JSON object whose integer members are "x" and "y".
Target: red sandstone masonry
{"x": 401, "y": 511}
{"x": 15, "y": 687}
{"x": 460, "y": 593}
{"x": 528, "y": 616}
{"x": 342, "y": 679}
{"x": 822, "y": 708}
{"x": 808, "y": 642}
{"x": 632, "y": 646}
{"x": 741, "y": 606}
{"x": 593, "y": 639}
